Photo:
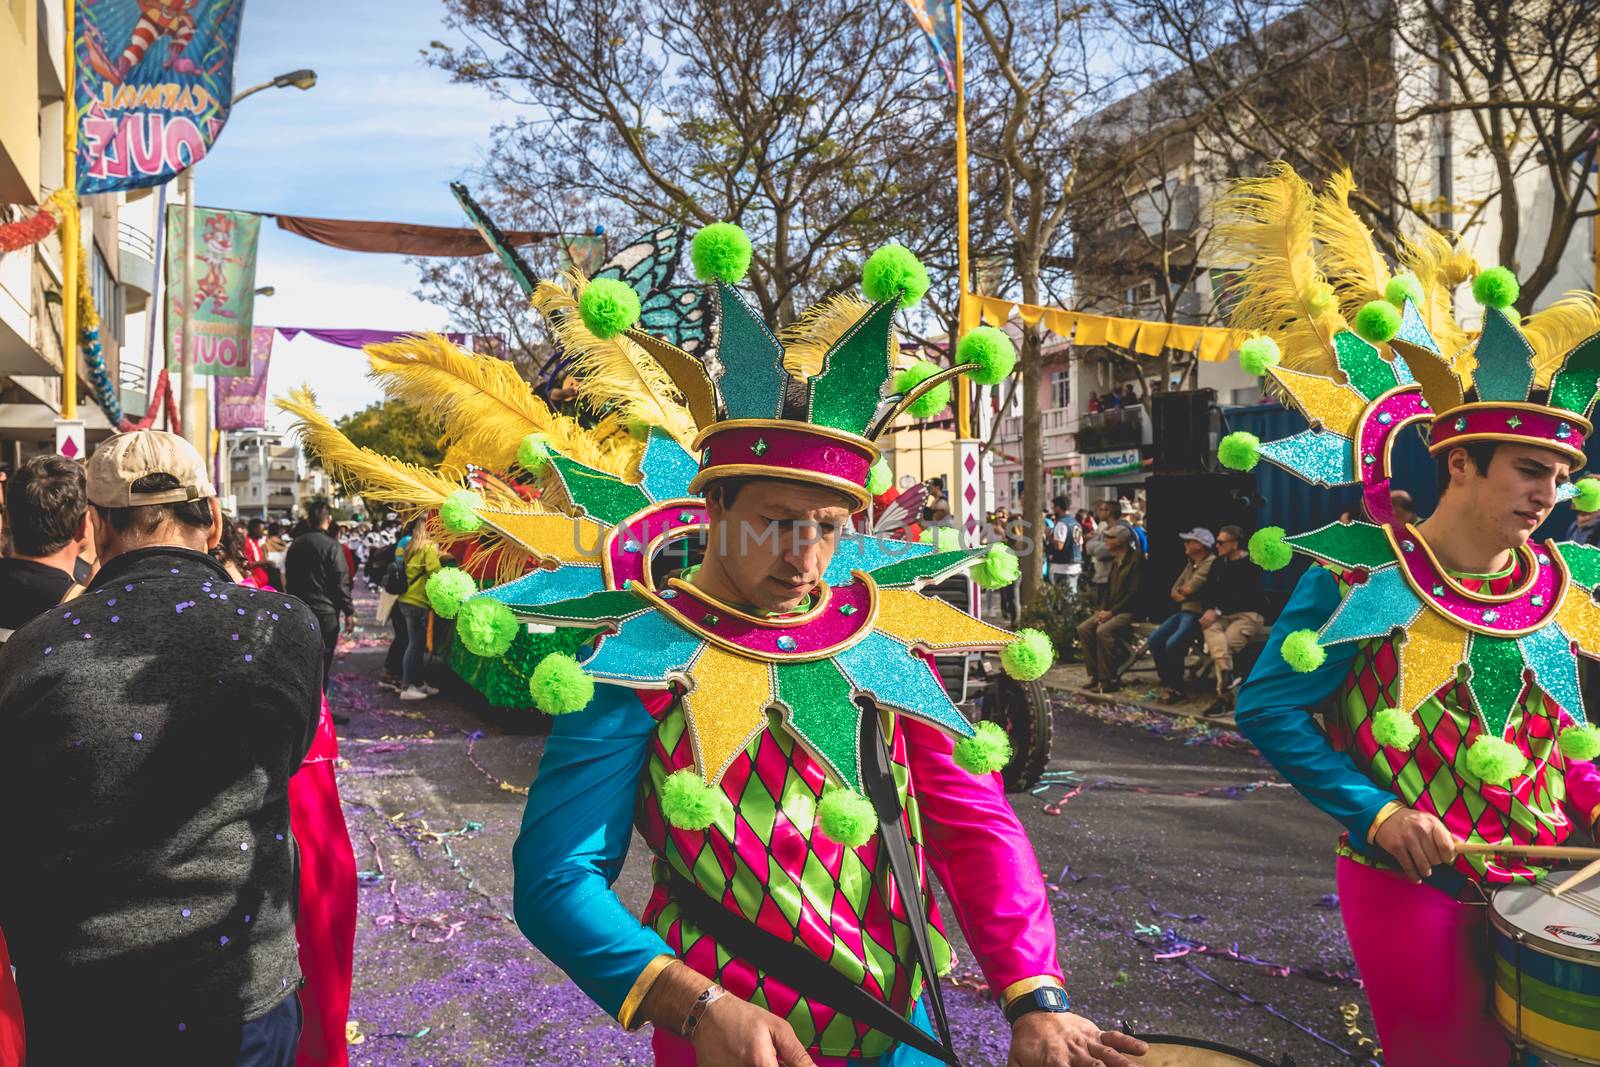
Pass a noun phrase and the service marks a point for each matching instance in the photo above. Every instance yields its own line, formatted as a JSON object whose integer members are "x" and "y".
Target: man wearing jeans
{"x": 1172, "y": 637}
{"x": 1101, "y": 635}
{"x": 1235, "y": 611}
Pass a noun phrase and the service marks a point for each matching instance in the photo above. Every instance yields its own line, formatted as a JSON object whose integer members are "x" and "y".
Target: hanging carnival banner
{"x": 242, "y": 402}
{"x": 154, "y": 85}
{"x": 937, "y": 20}
{"x": 224, "y": 291}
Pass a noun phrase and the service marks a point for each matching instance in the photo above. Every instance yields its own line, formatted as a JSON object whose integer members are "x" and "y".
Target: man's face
{"x": 1102, "y": 511}
{"x": 776, "y": 541}
{"x": 1226, "y": 545}
{"x": 1195, "y": 550}
{"x": 1514, "y": 496}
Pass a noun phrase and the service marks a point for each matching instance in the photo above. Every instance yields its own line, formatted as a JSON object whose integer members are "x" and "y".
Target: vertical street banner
{"x": 937, "y": 18}
{"x": 155, "y": 82}
{"x": 242, "y": 402}
{"x": 223, "y": 302}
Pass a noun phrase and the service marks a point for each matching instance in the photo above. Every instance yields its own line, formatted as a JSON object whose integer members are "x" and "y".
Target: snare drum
{"x": 1547, "y": 969}
{"x": 1189, "y": 1052}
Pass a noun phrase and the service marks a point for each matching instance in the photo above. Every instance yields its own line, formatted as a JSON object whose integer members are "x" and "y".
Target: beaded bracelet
{"x": 710, "y": 995}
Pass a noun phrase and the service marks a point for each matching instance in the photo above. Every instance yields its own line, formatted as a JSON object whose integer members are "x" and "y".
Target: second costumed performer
{"x": 1442, "y": 655}
{"x": 768, "y": 719}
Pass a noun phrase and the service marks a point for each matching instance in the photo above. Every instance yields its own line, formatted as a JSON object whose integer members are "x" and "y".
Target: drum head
{"x": 1188, "y": 1052}
{"x": 1566, "y": 926}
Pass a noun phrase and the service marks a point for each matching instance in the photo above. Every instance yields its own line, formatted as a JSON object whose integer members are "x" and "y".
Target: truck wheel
{"x": 1022, "y": 709}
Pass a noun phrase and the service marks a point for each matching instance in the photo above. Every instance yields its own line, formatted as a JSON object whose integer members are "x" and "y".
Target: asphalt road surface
{"x": 1191, "y": 890}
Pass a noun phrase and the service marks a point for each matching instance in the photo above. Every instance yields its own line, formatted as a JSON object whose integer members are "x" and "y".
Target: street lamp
{"x": 299, "y": 79}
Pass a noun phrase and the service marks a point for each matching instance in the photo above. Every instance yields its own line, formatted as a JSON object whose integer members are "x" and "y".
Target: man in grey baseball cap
{"x": 149, "y": 728}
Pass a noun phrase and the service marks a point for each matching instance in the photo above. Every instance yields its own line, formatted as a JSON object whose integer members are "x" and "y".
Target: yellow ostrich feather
{"x": 1267, "y": 223}
{"x": 1558, "y": 329}
{"x": 1440, "y": 267}
{"x": 613, "y": 374}
{"x": 409, "y": 489}
{"x": 1351, "y": 259}
{"x": 482, "y": 404}
{"x": 807, "y": 339}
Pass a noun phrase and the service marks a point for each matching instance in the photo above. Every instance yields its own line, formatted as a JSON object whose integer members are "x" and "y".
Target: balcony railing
{"x": 136, "y": 258}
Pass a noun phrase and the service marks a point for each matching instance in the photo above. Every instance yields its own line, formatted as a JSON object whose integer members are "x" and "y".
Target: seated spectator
{"x": 1102, "y": 634}
{"x": 1235, "y": 615}
{"x": 1130, "y": 395}
{"x": 152, "y": 750}
{"x": 49, "y": 520}
{"x": 1171, "y": 640}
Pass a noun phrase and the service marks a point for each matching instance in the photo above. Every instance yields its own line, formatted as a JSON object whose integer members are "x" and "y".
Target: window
{"x": 1060, "y": 388}
{"x": 107, "y": 298}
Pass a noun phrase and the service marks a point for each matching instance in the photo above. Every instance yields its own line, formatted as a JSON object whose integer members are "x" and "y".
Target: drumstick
{"x": 1543, "y": 852}
{"x": 1582, "y": 875}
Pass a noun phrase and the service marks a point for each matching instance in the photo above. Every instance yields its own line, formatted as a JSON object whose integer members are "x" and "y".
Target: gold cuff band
{"x": 1028, "y": 985}
{"x": 641, "y": 986}
{"x": 1382, "y": 817}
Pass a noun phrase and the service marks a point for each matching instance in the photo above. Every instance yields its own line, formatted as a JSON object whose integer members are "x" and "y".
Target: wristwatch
{"x": 1046, "y": 998}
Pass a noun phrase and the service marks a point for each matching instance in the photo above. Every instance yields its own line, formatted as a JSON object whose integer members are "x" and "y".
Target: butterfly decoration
{"x": 898, "y": 512}
{"x": 675, "y": 313}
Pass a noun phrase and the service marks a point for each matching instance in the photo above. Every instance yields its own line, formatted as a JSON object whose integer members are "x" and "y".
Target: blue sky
{"x": 379, "y": 137}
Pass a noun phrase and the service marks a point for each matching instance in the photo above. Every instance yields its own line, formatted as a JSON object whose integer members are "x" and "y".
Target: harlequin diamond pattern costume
{"x": 746, "y": 747}
{"x": 1451, "y": 694}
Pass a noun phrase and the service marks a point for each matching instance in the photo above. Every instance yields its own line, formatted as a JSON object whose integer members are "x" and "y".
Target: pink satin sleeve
{"x": 981, "y": 854}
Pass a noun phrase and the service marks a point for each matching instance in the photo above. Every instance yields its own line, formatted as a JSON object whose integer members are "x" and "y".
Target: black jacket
{"x": 317, "y": 573}
{"x": 1234, "y": 586}
{"x": 148, "y": 730}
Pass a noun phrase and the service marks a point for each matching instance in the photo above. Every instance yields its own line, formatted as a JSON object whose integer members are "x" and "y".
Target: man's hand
{"x": 1418, "y": 842}
{"x": 1209, "y": 617}
{"x": 1060, "y": 1039}
{"x": 1101, "y": 616}
{"x": 736, "y": 1033}
{"x": 349, "y": 624}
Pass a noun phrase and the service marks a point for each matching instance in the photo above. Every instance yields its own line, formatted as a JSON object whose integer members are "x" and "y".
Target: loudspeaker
{"x": 1177, "y": 504}
{"x": 1183, "y": 429}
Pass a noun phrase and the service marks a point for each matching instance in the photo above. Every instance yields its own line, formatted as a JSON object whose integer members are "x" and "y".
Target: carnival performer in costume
{"x": 768, "y": 717}
{"x": 1441, "y": 654}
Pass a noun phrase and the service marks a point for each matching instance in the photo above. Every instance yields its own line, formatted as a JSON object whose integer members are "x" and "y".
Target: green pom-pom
{"x": 989, "y": 354}
{"x": 943, "y": 538}
{"x": 1393, "y": 728}
{"x": 894, "y": 270}
{"x": 1495, "y": 760}
{"x": 1588, "y": 495}
{"x": 459, "y": 512}
{"x": 560, "y": 686}
{"x": 608, "y": 307}
{"x": 1318, "y": 298}
{"x": 1239, "y": 451}
{"x": 1496, "y": 287}
{"x": 1377, "y": 321}
{"x": 1403, "y": 287}
{"x": 720, "y": 252}
{"x": 1029, "y": 656}
{"x": 1269, "y": 550}
{"x": 998, "y": 568}
{"x": 930, "y": 403}
{"x": 879, "y": 478}
{"x": 532, "y": 453}
{"x": 486, "y": 627}
{"x": 1302, "y": 652}
{"x": 687, "y": 802}
{"x": 1259, "y": 354}
{"x": 448, "y": 589}
{"x": 988, "y": 750}
{"x": 1580, "y": 743}
{"x": 847, "y": 817}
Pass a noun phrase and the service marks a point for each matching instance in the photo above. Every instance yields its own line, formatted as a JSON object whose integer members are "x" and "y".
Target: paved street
{"x": 1156, "y": 838}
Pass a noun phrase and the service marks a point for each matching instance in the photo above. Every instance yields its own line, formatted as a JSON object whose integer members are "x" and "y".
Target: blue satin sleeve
{"x": 575, "y": 834}
{"x": 1276, "y": 704}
